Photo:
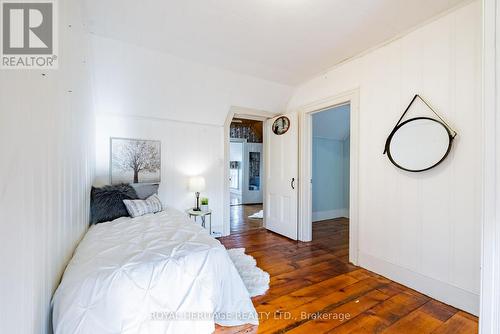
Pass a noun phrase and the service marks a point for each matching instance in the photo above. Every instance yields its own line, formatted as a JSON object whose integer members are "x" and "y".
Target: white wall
{"x": 46, "y": 140}
{"x": 140, "y": 93}
{"x": 131, "y": 80}
{"x": 187, "y": 150}
{"x": 330, "y": 163}
{"x": 421, "y": 229}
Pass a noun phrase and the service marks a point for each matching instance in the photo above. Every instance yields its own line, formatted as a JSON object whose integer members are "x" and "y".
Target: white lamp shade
{"x": 197, "y": 184}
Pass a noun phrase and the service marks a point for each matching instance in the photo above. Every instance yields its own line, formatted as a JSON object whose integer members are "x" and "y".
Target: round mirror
{"x": 419, "y": 144}
{"x": 281, "y": 125}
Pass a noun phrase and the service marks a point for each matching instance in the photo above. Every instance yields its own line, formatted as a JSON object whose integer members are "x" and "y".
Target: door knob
{"x": 292, "y": 183}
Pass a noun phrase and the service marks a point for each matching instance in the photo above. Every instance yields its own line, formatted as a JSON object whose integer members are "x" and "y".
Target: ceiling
{"x": 286, "y": 41}
{"x": 332, "y": 123}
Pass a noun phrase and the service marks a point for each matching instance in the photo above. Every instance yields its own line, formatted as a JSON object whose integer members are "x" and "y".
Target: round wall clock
{"x": 281, "y": 125}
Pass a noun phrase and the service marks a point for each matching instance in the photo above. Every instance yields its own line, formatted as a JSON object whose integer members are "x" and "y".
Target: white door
{"x": 281, "y": 178}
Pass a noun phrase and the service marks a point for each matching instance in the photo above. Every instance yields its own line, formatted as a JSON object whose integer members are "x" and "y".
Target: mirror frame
{"x": 276, "y": 120}
{"x": 388, "y": 144}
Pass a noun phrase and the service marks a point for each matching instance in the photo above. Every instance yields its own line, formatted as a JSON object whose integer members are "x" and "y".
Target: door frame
{"x": 305, "y": 166}
{"x": 489, "y": 312}
{"x": 244, "y": 113}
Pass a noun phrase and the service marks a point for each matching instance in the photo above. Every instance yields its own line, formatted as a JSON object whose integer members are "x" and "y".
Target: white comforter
{"x": 158, "y": 273}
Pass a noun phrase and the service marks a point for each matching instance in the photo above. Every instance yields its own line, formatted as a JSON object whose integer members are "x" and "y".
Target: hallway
{"x": 239, "y": 218}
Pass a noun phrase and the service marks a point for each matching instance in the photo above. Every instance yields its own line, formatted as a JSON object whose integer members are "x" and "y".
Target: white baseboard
{"x": 442, "y": 291}
{"x": 330, "y": 214}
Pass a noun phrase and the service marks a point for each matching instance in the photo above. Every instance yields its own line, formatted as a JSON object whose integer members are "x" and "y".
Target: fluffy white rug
{"x": 256, "y": 280}
{"x": 257, "y": 215}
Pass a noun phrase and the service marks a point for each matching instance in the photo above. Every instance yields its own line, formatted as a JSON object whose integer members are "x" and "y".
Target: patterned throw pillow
{"x": 140, "y": 207}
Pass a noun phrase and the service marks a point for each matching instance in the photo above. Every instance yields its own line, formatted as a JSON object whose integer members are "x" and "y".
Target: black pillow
{"x": 106, "y": 203}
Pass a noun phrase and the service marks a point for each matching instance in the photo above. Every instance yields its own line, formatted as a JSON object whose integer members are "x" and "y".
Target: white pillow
{"x": 140, "y": 207}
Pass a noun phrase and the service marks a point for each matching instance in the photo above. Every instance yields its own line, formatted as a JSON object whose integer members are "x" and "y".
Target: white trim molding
{"x": 305, "y": 166}
{"x": 329, "y": 214}
{"x": 440, "y": 290}
{"x": 489, "y": 319}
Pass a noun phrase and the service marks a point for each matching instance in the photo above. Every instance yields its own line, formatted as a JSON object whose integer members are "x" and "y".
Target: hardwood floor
{"x": 239, "y": 218}
{"x": 315, "y": 290}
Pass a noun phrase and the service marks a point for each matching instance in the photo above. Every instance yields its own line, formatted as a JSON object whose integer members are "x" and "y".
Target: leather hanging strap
{"x": 453, "y": 132}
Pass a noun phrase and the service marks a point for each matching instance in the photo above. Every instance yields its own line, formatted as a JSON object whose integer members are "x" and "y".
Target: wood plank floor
{"x": 315, "y": 290}
{"x": 239, "y": 218}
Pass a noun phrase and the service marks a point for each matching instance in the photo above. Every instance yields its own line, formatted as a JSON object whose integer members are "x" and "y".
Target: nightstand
{"x": 203, "y": 215}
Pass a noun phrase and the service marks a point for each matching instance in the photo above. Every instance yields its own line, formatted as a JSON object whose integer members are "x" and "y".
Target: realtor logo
{"x": 28, "y": 34}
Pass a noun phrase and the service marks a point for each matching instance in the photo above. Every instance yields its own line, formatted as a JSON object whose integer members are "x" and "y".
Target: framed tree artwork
{"x": 135, "y": 161}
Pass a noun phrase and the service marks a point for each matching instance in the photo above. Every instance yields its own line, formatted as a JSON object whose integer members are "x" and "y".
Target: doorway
{"x": 330, "y": 163}
{"x": 330, "y": 177}
{"x": 246, "y": 162}
{"x": 305, "y": 224}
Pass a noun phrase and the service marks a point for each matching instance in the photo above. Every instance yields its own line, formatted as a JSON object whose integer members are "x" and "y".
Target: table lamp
{"x": 197, "y": 184}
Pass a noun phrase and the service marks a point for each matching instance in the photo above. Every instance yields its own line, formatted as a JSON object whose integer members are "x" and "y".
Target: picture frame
{"x": 281, "y": 125}
{"x": 134, "y": 160}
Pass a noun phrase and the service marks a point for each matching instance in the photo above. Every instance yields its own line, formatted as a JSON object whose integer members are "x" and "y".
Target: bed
{"x": 158, "y": 273}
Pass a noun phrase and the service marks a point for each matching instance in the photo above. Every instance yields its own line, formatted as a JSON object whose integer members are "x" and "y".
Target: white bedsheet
{"x": 152, "y": 274}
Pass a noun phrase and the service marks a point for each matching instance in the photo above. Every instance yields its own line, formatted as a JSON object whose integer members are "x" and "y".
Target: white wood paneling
{"x": 46, "y": 145}
{"x": 427, "y": 224}
{"x": 187, "y": 150}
